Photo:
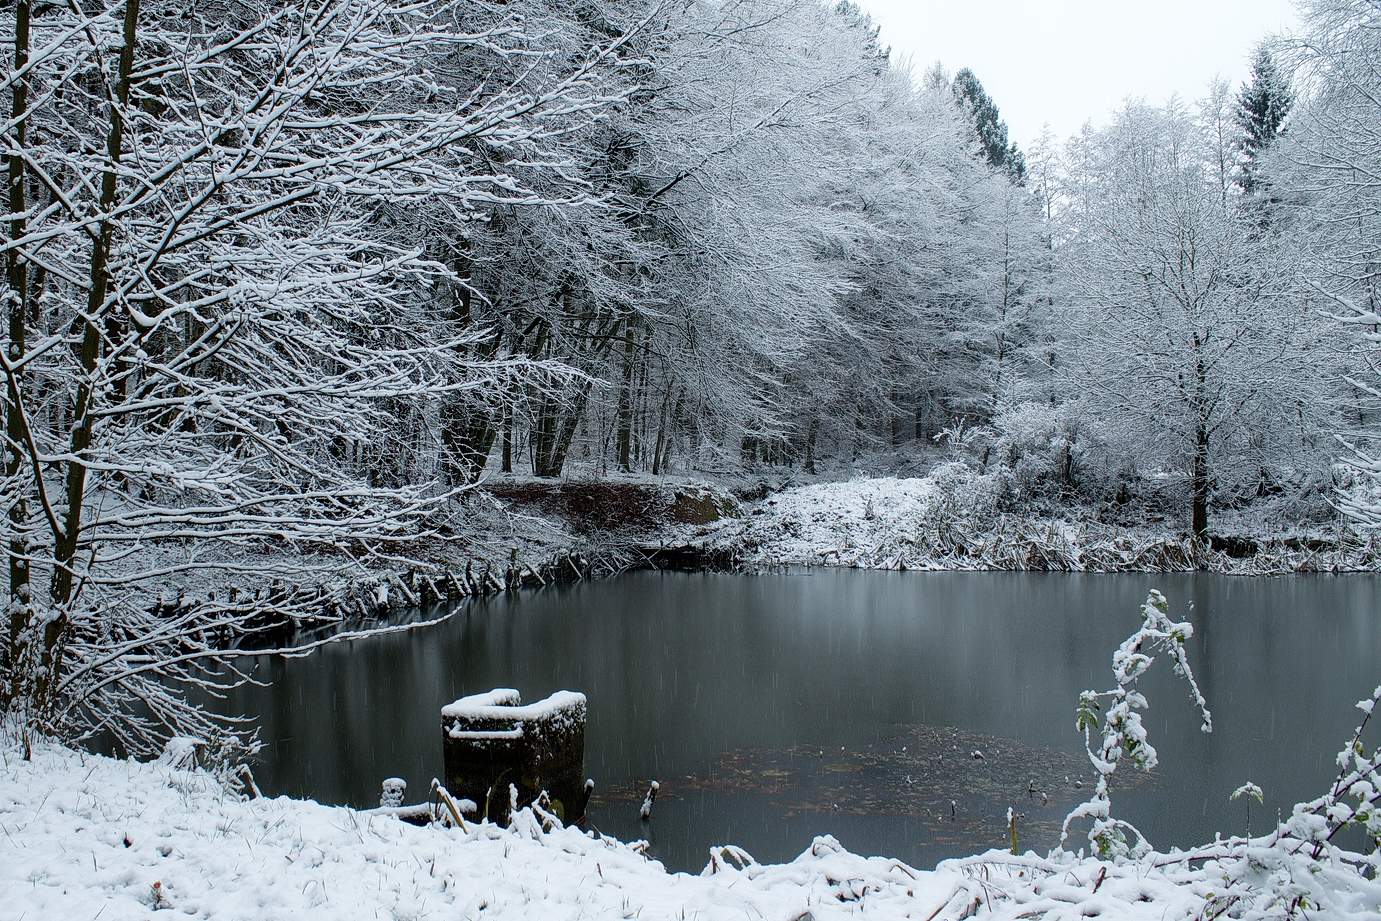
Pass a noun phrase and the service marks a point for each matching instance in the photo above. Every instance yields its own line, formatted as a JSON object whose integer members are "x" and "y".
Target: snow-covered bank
{"x": 506, "y": 533}
{"x": 87, "y": 836}
{"x": 949, "y": 520}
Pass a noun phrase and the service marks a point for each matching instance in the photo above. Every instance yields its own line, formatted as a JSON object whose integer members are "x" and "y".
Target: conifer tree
{"x": 1262, "y": 107}
{"x": 992, "y": 130}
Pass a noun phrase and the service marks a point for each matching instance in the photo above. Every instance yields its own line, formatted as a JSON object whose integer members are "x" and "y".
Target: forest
{"x": 301, "y": 275}
{"x": 292, "y": 288}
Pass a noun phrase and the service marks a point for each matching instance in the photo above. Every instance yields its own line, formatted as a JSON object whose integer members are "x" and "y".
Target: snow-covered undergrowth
{"x": 954, "y": 519}
{"x": 1306, "y": 867}
{"x": 511, "y": 532}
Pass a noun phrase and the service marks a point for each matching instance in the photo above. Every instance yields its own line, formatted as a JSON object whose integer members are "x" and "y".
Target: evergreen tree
{"x": 992, "y": 130}
{"x": 855, "y": 17}
{"x": 1015, "y": 164}
{"x": 1262, "y": 107}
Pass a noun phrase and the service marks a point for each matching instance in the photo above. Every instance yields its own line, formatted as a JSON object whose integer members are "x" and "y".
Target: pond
{"x": 773, "y": 708}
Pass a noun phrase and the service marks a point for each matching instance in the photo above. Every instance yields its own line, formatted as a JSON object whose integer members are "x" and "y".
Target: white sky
{"x": 1069, "y": 61}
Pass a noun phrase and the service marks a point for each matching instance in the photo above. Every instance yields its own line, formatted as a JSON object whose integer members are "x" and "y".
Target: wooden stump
{"x": 491, "y": 740}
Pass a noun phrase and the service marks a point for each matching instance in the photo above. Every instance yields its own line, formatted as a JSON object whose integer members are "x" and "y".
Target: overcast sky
{"x": 1068, "y": 61}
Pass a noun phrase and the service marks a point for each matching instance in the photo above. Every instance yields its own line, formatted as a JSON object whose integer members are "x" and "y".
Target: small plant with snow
{"x": 1248, "y": 792}
{"x": 1123, "y": 735}
{"x": 1303, "y": 868}
{"x": 962, "y": 440}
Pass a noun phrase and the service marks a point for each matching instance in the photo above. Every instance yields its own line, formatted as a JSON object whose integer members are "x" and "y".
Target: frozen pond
{"x": 774, "y": 708}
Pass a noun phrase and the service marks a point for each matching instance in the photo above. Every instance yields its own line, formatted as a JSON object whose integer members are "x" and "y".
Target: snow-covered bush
{"x": 1041, "y": 444}
{"x": 964, "y": 500}
{"x": 1122, "y": 731}
{"x": 964, "y": 442}
{"x": 1358, "y": 490}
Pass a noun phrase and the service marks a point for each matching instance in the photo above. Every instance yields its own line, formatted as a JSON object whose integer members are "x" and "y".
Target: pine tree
{"x": 855, "y": 17}
{"x": 1015, "y": 164}
{"x": 1262, "y": 107}
{"x": 988, "y": 123}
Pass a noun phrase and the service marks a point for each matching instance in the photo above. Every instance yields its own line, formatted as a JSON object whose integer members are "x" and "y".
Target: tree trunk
{"x": 63, "y": 582}
{"x": 561, "y": 446}
{"x": 507, "y": 439}
{"x": 468, "y": 434}
{"x": 664, "y": 458}
{"x": 894, "y": 417}
{"x": 660, "y": 445}
{"x": 812, "y": 430}
{"x": 16, "y": 275}
{"x": 643, "y": 401}
{"x": 468, "y": 429}
{"x": 1199, "y": 475}
{"x": 1199, "y": 482}
{"x": 555, "y": 427}
{"x": 625, "y": 411}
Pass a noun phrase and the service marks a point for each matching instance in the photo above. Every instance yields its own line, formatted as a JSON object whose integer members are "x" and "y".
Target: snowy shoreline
{"x": 534, "y": 533}
{"x": 88, "y": 836}
{"x": 921, "y": 524}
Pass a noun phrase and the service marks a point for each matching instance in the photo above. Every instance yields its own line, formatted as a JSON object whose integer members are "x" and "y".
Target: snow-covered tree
{"x": 1186, "y": 341}
{"x": 1329, "y": 169}
{"x": 212, "y": 320}
{"x": 1262, "y": 107}
{"x": 1002, "y": 153}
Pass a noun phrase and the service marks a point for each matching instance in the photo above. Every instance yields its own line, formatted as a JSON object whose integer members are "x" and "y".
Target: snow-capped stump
{"x": 394, "y": 789}
{"x": 490, "y": 741}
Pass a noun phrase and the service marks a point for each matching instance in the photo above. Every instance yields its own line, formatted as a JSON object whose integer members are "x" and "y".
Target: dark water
{"x": 774, "y": 708}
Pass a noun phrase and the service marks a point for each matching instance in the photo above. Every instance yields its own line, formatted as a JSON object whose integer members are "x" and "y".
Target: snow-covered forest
{"x": 287, "y": 276}
{"x": 291, "y": 286}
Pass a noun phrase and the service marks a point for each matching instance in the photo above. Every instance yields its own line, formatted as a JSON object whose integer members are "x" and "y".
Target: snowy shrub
{"x": 1358, "y": 493}
{"x": 1302, "y": 868}
{"x": 1123, "y": 733}
{"x": 1041, "y": 444}
{"x": 963, "y": 441}
{"x": 1037, "y": 436}
{"x": 965, "y": 501}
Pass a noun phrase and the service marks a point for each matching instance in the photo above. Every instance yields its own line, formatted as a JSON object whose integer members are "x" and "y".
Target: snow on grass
{"x": 84, "y": 837}
{"x": 832, "y": 521}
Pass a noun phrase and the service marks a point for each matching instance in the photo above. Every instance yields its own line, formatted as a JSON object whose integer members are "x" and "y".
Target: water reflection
{"x": 705, "y": 681}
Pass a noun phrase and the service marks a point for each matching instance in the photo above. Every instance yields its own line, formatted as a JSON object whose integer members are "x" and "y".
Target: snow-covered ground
{"x": 836, "y": 522}
{"x": 85, "y": 837}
